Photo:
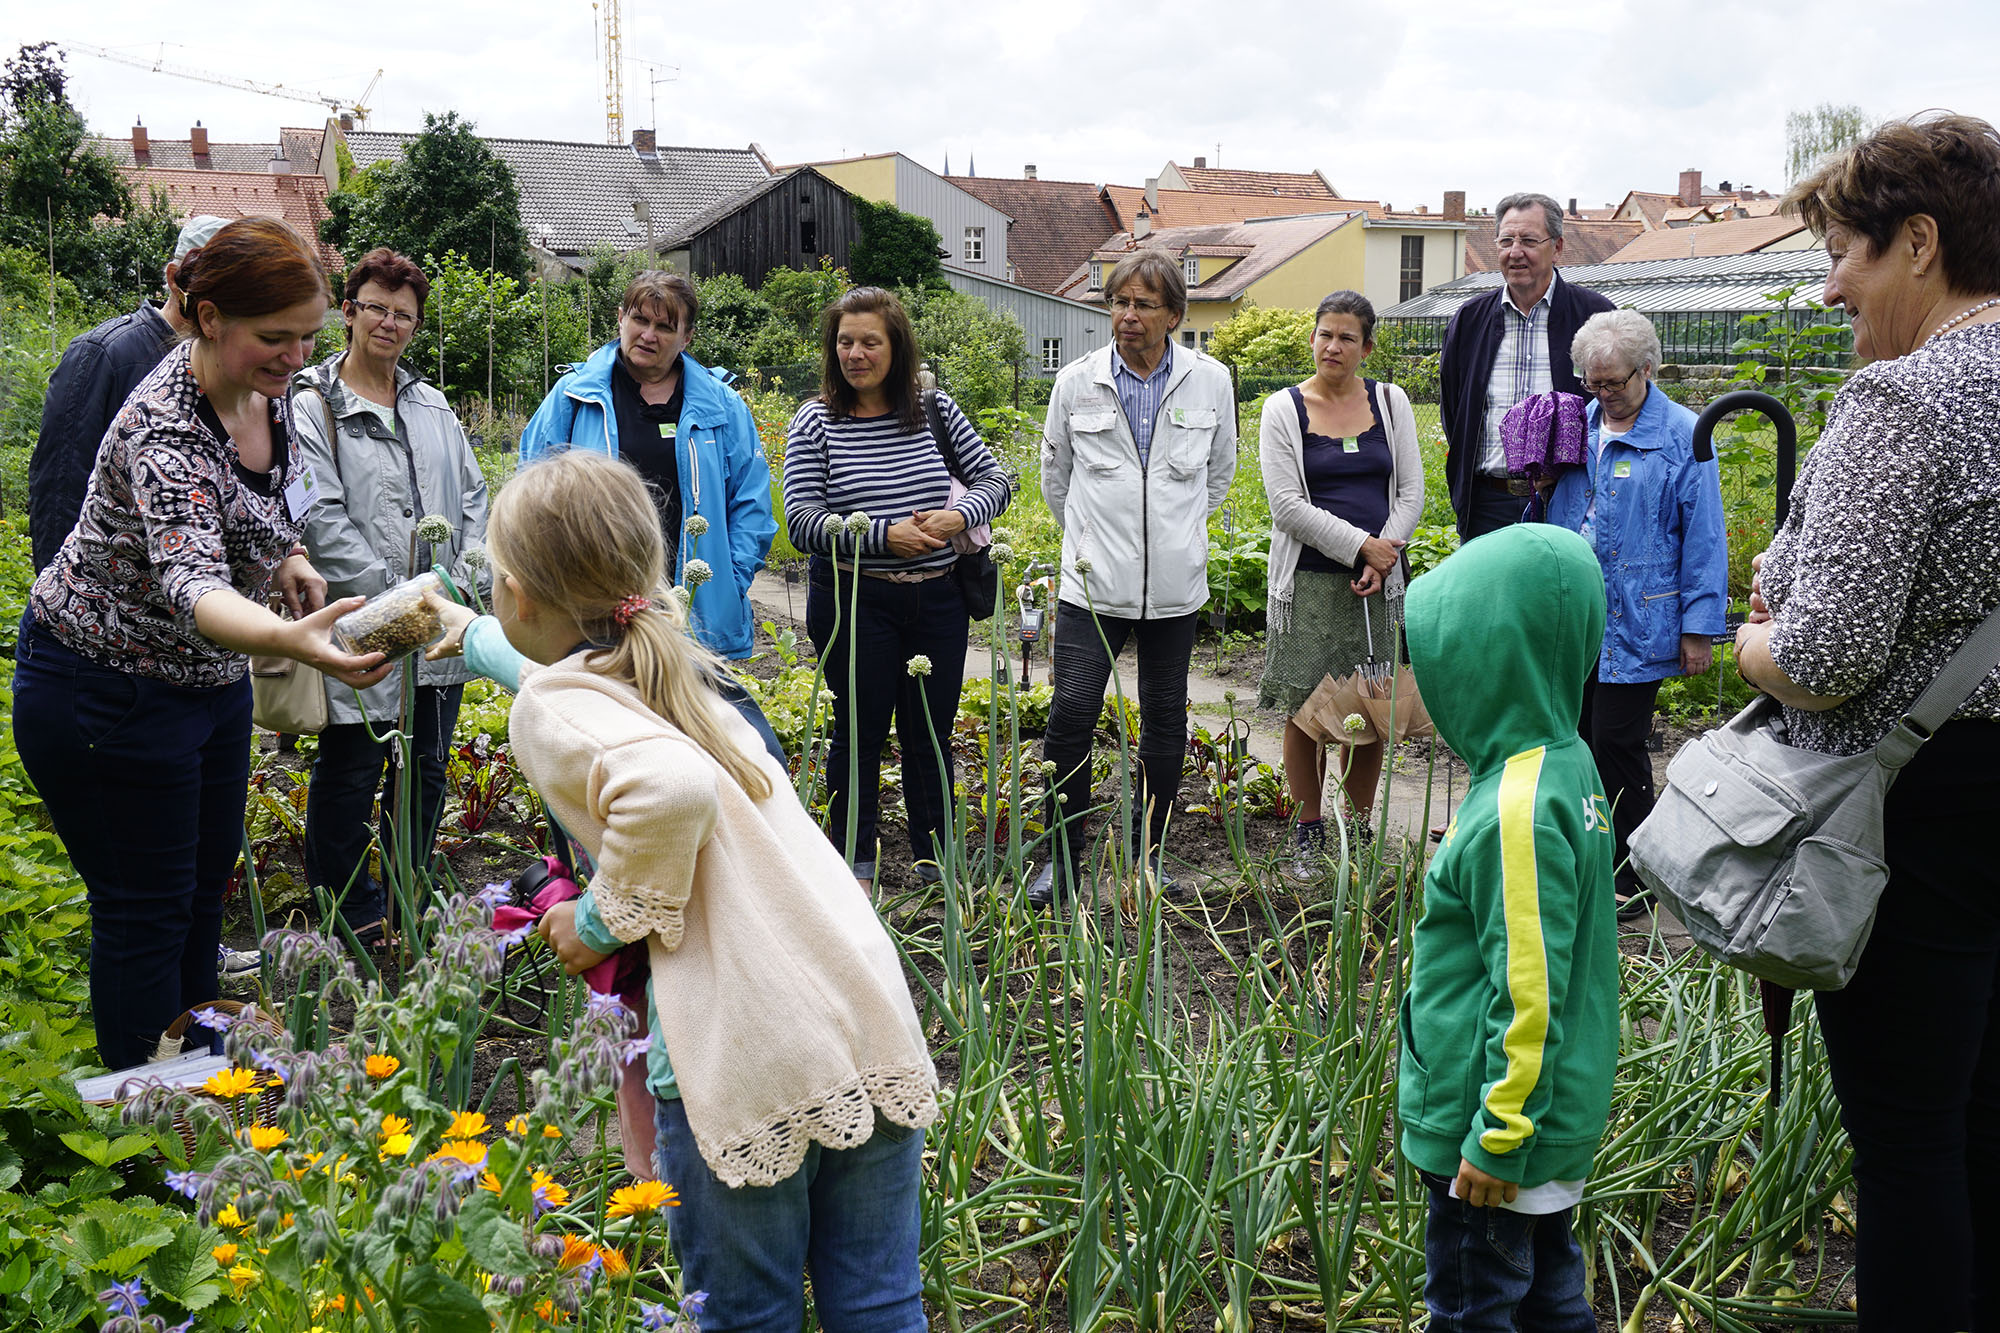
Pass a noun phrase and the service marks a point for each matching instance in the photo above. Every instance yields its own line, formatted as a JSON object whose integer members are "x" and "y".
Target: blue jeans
{"x": 847, "y": 1216}
{"x": 1491, "y": 1270}
{"x": 145, "y": 783}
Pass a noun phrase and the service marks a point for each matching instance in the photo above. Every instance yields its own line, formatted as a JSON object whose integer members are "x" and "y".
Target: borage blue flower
{"x": 124, "y": 1298}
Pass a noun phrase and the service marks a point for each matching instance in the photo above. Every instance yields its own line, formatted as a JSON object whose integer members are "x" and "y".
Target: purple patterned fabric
{"x": 1542, "y": 433}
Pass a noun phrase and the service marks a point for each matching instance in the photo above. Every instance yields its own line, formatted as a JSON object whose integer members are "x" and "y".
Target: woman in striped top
{"x": 867, "y": 491}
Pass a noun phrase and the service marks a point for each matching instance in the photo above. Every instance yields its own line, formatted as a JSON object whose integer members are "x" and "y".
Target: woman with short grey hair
{"x": 1654, "y": 516}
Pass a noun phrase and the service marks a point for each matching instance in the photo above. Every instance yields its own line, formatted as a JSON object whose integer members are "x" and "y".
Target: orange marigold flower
{"x": 460, "y": 1150}
{"x": 576, "y": 1252}
{"x": 224, "y": 1254}
{"x": 229, "y": 1217}
{"x": 263, "y": 1138}
{"x": 551, "y": 1132}
{"x": 231, "y": 1083}
{"x": 393, "y": 1125}
{"x": 397, "y": 1145}
{"x": 244, "y": 1277}
{"x": 547, "y": 1192}
{"x": 614, "y": 1261}
{"x": 518, "y": 1125}
{"x": 489, "y": 1181}
{"x": 381, "y": 1066}
{"x": 466, "y": 1125}
{"x": 643, "y": 1197}
{"x": 546, "y": 1309}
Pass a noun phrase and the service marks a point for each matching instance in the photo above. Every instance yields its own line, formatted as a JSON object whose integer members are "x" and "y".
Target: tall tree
{"x": 1811, "y": 135}
{"x": 59, "y": 194}
{"x": 895, "y": 249}
{"x": 450, "y": 192}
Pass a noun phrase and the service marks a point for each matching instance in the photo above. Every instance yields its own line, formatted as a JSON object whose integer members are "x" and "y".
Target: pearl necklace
{"x": 1962, "y": 316}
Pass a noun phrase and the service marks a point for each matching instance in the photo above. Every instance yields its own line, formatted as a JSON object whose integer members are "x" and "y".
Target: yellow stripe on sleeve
{"x": 1527, "y": 961}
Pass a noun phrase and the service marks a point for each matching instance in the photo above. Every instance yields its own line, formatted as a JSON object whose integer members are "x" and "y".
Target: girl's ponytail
{"x": 589, "y": 542}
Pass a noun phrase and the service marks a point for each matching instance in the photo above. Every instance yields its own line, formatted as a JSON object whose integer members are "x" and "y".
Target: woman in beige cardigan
{"x": 791, "y": 1072}
{"x": 1346, "y": 486}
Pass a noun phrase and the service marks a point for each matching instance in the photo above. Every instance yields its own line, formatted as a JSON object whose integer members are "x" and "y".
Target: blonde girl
{"x": 791, "y": 1071}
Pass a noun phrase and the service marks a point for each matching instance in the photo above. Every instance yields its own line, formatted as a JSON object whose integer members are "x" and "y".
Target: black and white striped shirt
{"x": 878, "y": 466}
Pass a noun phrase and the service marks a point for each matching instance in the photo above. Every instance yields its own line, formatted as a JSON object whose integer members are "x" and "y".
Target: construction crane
{"x": 614, "y": 70}
{"x": 339, "y": 106}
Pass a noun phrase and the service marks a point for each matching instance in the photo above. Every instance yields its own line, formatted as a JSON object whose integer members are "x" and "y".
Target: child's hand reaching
{"x": 1475, "y": 1187}
{"x": 558, "y": 928}
{"x": 454, "y": 618}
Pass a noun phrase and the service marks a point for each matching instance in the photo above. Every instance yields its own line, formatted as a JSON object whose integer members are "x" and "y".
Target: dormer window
{"x": 1096, "y": 275}
{"x": 1191, "y": 270}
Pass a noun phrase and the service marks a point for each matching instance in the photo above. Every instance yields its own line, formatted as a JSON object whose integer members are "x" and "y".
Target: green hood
{"x": 1502, "y": 637}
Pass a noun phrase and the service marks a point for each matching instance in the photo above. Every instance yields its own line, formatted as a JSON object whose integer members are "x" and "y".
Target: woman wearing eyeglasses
{"x": 1654, "y": 515}
{"x": 386, "y": 450}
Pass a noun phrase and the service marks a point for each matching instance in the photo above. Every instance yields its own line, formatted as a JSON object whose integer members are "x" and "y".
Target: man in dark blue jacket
{"x": 97, "y": 371}
{"x": 1502, "y": 347}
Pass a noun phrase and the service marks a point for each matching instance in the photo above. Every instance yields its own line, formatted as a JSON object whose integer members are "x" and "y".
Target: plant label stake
{"x": 1028, "y": 596}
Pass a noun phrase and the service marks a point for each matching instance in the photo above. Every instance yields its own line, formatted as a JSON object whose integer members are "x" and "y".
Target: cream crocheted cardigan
{"x": 780, "y": 996}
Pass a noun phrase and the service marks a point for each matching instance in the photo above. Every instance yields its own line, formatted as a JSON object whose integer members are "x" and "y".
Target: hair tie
{"x": 630, "y": 607}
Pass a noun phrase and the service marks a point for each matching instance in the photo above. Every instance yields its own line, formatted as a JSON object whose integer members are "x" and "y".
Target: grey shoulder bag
{"x": 1773, "y": 856}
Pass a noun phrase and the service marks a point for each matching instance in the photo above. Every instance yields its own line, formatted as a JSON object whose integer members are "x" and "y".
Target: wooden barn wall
{"x": 767, "y": 233}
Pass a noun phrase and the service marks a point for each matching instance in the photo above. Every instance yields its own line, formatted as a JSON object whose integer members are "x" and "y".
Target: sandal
{"x": 375, "y": 938}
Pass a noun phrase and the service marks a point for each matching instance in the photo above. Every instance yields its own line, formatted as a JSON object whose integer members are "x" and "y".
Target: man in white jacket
{"x": 1137, "y": 451}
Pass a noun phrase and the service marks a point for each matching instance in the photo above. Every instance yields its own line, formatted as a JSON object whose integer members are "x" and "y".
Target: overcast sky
{"x": 1396, "y": 102}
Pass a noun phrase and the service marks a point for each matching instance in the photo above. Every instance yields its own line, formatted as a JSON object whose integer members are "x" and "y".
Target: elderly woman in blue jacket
{"x": 1654, "y": 516}
{"x": 643, "y": 399}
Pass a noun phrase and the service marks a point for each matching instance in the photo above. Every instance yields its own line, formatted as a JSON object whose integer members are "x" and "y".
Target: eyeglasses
{"x": 1121, "y": 304}
{"x": 400, "y": 317}
{"x": 1609, "y": 386}
{"x": 1525, "y": 242}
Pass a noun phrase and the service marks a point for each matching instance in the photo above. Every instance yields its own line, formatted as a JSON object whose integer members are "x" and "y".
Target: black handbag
{"x": 978, "y": 577}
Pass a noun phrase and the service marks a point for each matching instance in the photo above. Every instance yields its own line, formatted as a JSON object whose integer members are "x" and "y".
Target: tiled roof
{"x": 1585, "y": 241}
{"x": 178, "y": 155}
{"x": 302, "y": 147}
{"x": 299, "y": 198}
{"x": 1056, "y": 224}
{"x": 1740, "y": 237}
{"x": 728, "y": 205}
{"x": 1271, "y": 244}
{"x": 1719, "y": 283}
{"x": 1291, "y": 184}
{"x": 1652, "y": 207}
{"x": 1201, "y": 208}
{"x": 583, "y": 193}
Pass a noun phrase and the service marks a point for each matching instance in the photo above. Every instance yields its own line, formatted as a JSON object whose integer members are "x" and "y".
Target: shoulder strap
{"x": 941, "y": 437}
{"x": 1969, "y": 666}
{"x": 1299, "y": 402}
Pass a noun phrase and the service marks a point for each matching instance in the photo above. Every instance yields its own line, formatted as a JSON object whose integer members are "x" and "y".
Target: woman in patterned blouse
{"x": 131, "y": 693}
{"x": 1884, "y": 566}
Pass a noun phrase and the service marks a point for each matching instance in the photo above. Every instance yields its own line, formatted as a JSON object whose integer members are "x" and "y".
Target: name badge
{"x": 1352, "y": 446}
{"x": 299, "y": 496}
{"x": 668, "y": 430}
{"x": 1621, "y": 469}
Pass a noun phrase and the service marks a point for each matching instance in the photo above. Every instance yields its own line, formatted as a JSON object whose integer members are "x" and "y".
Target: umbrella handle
{"x": 1368, "y": 625}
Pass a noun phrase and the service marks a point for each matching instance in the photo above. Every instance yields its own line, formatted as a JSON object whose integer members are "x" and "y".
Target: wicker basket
{"x": 263, "y": 1110}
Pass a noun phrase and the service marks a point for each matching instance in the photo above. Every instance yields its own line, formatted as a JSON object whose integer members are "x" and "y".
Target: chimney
{"x": 1142, "y": 225}
{"x": 346, "y": 122}
{"x": 1691, "y": 188}
{"x": 1153, "y": 193}
{"x": 1724, "y": 188}
{"x": 1201, "y": 164}
{"x": 1028, "y": 172}
{"x": 1454, "y": 205}
{"x": 140, "y": 144}
{"x": 278, "y": 165}
{"x": 1423, "y": 208}
{"x": 1572, "y": 207}
{"x": 198, "y": 140}
{"x": 642, "y": 143}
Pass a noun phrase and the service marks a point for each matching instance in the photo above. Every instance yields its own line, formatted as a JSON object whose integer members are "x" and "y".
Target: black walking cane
{"x": 1777, "y": 1000}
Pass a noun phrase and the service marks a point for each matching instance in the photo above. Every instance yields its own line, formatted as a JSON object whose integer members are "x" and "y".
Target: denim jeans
{"x": 345, "y": 777}
{"x": 1913, "y": 1045}
{"x": 1082, "y": 670}
{"x": 1492, "y": 1270}
{"x": 145, "y": 783}
{"x": 890, "y": 624}
{"x": 848, "y": 1216}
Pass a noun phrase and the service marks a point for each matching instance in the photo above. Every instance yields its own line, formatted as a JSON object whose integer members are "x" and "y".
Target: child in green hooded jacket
{"x": 1516, "y": 958}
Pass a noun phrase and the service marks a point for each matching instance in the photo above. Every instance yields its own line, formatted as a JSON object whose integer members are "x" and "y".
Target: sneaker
{"x": 1307, "y": 861}
{"x": 1635, "y": 905}
{"x": 237, "y": 968}
{"x": 928, "y": 873}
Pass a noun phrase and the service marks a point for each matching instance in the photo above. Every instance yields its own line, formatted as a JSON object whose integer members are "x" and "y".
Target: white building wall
{"x": 951, "y": 210}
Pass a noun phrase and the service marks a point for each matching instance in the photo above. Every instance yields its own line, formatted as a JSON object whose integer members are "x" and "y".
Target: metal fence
{"x": 1688, "y": 337}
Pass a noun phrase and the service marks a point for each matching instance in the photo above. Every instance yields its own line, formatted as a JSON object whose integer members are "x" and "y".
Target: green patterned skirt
{"x": 1327, "y": 636}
